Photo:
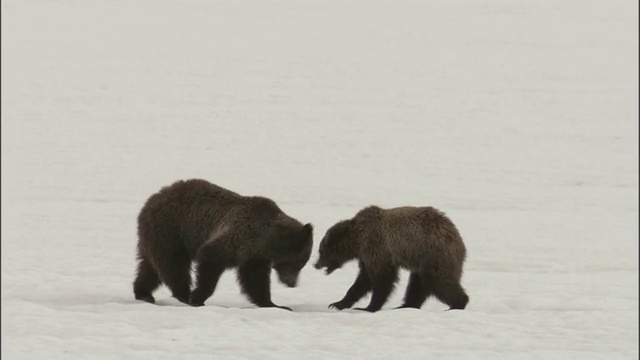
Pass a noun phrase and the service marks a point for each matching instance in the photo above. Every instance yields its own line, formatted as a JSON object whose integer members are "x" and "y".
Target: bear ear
{"x": 307, "y": 229}
{"x": 342, "y": 228}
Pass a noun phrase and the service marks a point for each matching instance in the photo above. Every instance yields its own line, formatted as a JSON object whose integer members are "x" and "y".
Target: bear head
{"x": 290, "y": 252}
{"x": 337, "y": 247}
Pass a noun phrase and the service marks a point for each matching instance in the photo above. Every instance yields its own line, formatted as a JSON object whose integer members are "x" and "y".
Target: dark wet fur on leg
{"x": 146, "y": 282}
{"x": 208, "y": 274}
{"x": 179, "y": 280}
{"x": 357, "y": 291}
{"x": 255, "y": 281}
{"x": 417, "y": 292}
{"x": 383, "y": 283}
{"x": 451, "y": 293}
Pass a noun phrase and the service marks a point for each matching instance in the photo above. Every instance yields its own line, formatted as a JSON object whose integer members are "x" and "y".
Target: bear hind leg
{"x": 451, "y": 293}
{"x": 146, "y": 282}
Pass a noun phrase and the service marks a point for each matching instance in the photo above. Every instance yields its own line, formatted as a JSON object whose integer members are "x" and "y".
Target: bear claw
{"x": 406, "y": 307}
{"x": 147, "y": 298}
{"x": 337, "y": 305}
{"x": 365, "y": 309}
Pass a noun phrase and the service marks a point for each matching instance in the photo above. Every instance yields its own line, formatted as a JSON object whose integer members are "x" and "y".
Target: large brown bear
{"x": 195, "y": 220}
{"x": 420, "y": 239}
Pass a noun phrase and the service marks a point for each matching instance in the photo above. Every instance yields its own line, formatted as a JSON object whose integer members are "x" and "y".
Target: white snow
{"x": 519, "y": 119}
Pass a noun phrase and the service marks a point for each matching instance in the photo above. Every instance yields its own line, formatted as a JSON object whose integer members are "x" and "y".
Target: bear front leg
{"x": 255, "y": 281}
{"x": 383, "y": 280}
{"x": 360, "y": 288}
{"x": 211, "y": 265}
{"x": 207, "y": 275}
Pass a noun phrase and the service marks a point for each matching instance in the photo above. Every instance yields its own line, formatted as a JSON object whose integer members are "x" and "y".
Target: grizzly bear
{"x": 422, "y": 240}
{"x": 218, "y": 229}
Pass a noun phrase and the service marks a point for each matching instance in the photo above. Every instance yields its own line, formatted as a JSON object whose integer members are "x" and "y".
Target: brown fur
{"x": 195, "y": 220}
{"x": 422, "y": 240}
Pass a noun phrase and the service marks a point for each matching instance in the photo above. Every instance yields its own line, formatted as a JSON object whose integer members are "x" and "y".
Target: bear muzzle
{"x": 319, "y": 265}
{"x": 329, "y": 267}
{"x": 290, "y": 280}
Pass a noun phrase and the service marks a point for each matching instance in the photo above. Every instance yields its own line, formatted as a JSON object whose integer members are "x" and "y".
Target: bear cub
{"x": 422, "y": 240}
{"x": 218, "y": 229}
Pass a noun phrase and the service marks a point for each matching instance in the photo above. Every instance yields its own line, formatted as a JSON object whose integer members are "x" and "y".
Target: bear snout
{"x": 319, "y": 265}
{"x": 329, "y": 266}
{"x": 329, "y": 270}
{"x": 290, "y": 280}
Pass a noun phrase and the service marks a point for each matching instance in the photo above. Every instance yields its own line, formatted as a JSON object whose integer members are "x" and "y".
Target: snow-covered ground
{"x": 519, "y": 119}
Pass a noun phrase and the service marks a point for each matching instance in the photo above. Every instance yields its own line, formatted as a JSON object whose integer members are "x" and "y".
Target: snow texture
{"x": 519, "y": 119}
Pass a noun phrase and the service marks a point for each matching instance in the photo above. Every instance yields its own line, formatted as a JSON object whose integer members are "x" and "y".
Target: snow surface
{"x": 519, "y": 119}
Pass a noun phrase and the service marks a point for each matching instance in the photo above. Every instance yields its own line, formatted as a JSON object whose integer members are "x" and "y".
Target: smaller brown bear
{"x": 197, "y": 221}
{"x": 422, "y": 240}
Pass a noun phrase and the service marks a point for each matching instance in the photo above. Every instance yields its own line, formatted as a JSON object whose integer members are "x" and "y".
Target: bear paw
{"x": 272, "y": 305}
{"x": 146, "y": 298}
{"x": 338, "y": 305}
{"x": 407, "y": 307}
{"x": 366, "y": 309}
{"x": 195, "y": 302}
